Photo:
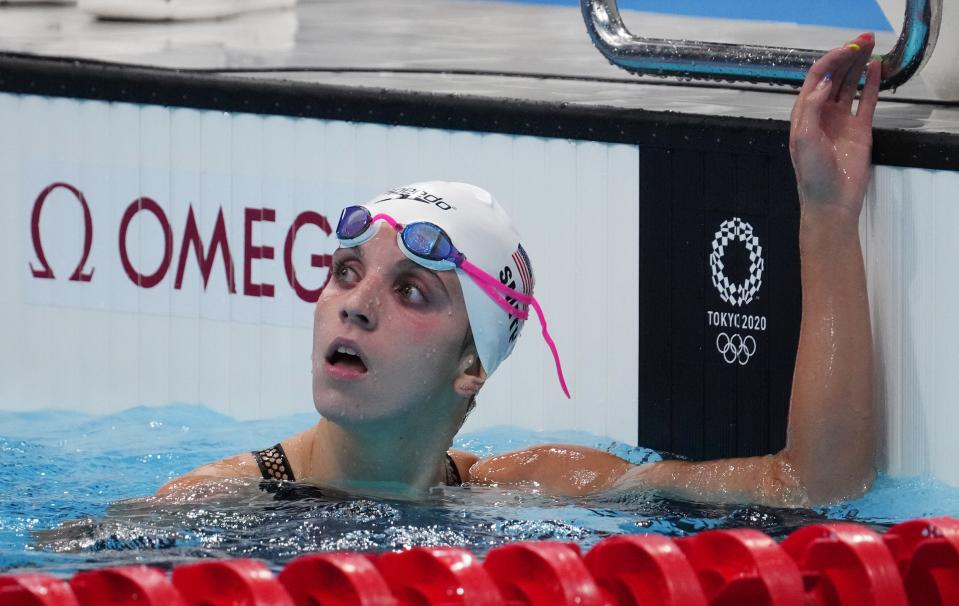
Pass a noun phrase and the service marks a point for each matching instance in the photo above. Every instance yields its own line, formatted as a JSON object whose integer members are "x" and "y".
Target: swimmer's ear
{"x": 471, "y": 377}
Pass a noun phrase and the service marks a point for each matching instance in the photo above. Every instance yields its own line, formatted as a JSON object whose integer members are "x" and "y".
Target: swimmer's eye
{"x": 343, "y": 273}
{"x": 411, "y": 293}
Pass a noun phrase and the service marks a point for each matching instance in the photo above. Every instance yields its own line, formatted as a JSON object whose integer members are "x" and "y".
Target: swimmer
{"x": 430, "y": 288}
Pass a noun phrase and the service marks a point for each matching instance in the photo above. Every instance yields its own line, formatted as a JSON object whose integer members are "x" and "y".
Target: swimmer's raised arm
{"x": 831, "y": 436}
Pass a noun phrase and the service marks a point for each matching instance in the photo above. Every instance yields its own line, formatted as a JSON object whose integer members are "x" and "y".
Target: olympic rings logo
{"x": 736, "y": 348}
{"x": 737, "y": 230}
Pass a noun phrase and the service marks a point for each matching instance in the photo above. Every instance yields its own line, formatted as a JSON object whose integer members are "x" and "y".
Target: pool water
{"x": 75, "y": 496}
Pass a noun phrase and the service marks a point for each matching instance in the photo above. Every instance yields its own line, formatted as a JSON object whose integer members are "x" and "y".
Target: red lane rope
{"x": 915, "y": 563}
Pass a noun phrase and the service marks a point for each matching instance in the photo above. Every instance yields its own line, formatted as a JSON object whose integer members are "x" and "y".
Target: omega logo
{"x": 191, "y": 242}
{"x": 47, "y": 271}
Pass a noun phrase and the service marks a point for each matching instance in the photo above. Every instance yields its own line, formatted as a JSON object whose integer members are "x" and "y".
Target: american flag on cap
{"x": 521, "y": 261}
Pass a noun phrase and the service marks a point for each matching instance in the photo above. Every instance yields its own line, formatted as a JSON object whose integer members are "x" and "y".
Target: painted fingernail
{"x": 866, "y": 37}
{"x": 826, "y": 80}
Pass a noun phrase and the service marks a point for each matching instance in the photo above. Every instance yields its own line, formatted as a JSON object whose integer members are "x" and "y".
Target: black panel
{"x": 655, "y": 298}
{"x": 715, "y": 374}
{"x": 685, "y": 337}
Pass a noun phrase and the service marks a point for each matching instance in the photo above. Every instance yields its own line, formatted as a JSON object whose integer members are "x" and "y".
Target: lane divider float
{"x": 915, "y": 563}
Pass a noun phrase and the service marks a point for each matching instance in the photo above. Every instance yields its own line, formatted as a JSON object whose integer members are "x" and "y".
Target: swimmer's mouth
{"x": 346, "y": 356}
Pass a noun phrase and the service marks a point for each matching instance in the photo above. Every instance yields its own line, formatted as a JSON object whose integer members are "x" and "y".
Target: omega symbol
{"x": 46, "y": 272}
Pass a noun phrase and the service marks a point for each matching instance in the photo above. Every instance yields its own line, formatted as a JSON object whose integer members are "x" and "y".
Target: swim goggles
{"x": 428, "y": 245}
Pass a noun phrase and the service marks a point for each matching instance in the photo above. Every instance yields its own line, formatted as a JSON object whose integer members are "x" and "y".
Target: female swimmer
{"x": 407, "y": 331}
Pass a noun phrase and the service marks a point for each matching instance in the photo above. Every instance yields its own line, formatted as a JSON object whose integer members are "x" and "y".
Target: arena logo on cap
{"x": 419, "y": 195}
{"x": 735, "y": 348}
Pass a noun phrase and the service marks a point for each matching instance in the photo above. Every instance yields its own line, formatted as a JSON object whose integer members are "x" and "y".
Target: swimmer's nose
{"x": 359, "y": 308}
{"x": 361, "y": 318}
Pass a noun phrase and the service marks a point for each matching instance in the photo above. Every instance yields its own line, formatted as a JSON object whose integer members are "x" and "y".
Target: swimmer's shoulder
{"x": 244, "y": 464}
{"x": 237, "y": 466}
{"x": 560, "y": 469}
{"x": 299, "y": 451}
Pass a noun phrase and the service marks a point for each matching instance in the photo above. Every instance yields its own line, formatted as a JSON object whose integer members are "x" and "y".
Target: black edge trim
{"x": 82, "y": 79}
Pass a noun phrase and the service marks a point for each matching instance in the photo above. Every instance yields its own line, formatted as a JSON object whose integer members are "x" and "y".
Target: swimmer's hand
{"x": 830, "y": 145}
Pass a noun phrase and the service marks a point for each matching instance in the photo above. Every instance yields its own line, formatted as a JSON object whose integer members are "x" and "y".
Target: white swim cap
{"x": 481, "y": 230}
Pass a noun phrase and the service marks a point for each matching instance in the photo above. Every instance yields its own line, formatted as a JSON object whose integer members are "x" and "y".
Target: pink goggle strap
{"x": 496, "y": 296}
{"x": 387, "y": 218}
{"x": 483, "y": 283}
{"x": 488, "y": 283}
{"x": 496, "y": 291}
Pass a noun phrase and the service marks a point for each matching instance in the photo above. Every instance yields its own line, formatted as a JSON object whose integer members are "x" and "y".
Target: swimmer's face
{"x": 388, "y": 336}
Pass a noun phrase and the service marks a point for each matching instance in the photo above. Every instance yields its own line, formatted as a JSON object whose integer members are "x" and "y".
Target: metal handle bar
{"x": 750, "y": 62}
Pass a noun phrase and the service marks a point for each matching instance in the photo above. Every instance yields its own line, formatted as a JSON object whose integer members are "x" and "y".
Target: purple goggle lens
{"x": 353, "y": 221}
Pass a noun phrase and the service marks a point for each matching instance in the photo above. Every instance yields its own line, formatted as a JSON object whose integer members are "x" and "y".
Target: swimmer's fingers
{"x": 823, "y": 70}
{"x": 834, "y": 77}
{"x": 819, "y": 85}
{"x": 862, "y": 50}
{"x": 870, "y": 94}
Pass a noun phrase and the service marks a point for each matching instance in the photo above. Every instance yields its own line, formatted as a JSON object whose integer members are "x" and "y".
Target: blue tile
{"x": 856, "y": 14}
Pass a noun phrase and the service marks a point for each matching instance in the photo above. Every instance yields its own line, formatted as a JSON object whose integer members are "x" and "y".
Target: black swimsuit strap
{"x": 452, "y": 472}
{"x": 273, "y": 463}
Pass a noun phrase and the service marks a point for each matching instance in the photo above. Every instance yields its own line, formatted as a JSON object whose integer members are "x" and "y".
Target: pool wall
{"x": 664, "y": 246}
{"x": 909, "y": 241}
{"x": 142, "y": 323}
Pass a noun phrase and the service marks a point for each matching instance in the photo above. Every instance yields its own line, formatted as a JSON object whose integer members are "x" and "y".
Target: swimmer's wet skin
{"x": 404, "y": 339}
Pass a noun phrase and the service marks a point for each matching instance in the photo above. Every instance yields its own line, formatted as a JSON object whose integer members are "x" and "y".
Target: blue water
{"x": 855, "y": 14}
{"x": 75, "y": 496}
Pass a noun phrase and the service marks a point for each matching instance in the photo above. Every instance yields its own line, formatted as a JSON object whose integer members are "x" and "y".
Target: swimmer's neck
{"x": 396, "y": 453}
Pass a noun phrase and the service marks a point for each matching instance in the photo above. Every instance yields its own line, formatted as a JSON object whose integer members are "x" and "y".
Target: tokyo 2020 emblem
{"x": 734, "y": 343}
{"x": 736, "y": 231}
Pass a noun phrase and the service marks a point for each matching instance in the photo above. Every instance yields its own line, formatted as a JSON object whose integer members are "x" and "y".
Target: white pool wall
{"x": 108, "y": 344}
{"x": 908, "y": 230}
